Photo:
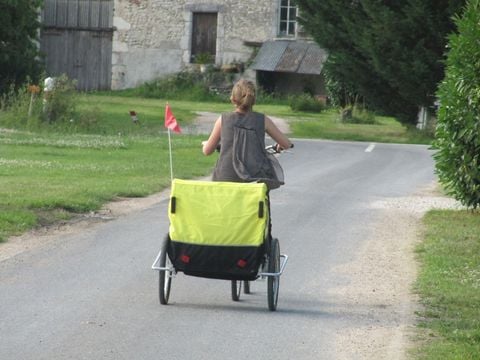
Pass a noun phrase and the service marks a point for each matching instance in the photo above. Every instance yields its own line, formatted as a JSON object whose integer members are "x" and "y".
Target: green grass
{"x": 115, "y": 119}
{"x": 45, "y": 177}
{"x": 325, "y": 125}
{"x": 449, "y": 286}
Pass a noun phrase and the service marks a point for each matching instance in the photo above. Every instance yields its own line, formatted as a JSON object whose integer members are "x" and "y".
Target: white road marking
{"x": 370, "y": 147}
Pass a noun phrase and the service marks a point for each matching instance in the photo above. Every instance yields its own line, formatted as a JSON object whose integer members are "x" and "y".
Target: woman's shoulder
{"x": 260, "y": 117}
{"x": 227, "y": 115}
{"x": 242, "y": 117}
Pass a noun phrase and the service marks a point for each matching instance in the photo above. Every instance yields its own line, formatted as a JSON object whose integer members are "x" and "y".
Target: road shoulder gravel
{"x": 379, "y": 294}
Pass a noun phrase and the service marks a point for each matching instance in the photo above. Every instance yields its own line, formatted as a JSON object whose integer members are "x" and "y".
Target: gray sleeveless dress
{"x": 250, "y": 122}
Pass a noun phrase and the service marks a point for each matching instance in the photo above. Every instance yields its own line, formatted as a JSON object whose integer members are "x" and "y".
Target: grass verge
{"x": 323, "y": 125}
{"x": 47, "y": 177}
{"x": 326, "y": 125}
{"x": 449, "y": 286}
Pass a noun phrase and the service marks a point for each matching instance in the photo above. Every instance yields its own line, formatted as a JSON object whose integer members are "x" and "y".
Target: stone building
{"x": 146, "y": 39}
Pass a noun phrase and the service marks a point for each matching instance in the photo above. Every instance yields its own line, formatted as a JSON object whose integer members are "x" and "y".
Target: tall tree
{"x": 388, "y": 52}
{"x": 19, "y": 54}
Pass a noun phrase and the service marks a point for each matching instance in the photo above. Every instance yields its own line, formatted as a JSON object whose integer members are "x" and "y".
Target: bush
{"x": 21, "y": 108}
{"x": 458, "y": 127}
{"x": 305, "y": 102}
{"x": 213, "y": 85}
{"x": 186, "y": 85}
{"x": 267, "y": 97}
{"x": 60, "y": 104}
{"x": 357, "y": 115}
{"x": 31, "y": 109}
{"x": 14, "y": 108}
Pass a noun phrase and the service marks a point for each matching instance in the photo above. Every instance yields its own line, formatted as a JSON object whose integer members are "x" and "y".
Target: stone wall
{"x": 152, "y": 37}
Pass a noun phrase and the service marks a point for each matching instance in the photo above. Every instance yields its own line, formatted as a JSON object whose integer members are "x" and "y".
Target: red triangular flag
{"x": 170, "y": 121}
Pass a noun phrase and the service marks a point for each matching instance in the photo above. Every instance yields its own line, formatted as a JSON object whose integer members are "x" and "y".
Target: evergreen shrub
{"x": 458, "y": 127}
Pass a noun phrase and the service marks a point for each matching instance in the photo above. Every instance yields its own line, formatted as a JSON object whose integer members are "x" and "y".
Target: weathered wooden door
{"x": 76, "y": 40}
{"x": 204, "y": 34}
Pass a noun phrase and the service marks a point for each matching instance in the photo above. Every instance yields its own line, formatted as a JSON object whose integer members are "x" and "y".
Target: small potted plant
{"x": 203, "y": 59}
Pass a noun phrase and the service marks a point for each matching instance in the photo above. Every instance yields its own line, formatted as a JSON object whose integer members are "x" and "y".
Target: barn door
{"x": 76, "y": 40}
{"x": 204, "y": 35}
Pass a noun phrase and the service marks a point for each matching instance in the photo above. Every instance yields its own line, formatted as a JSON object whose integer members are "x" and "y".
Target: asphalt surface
{"x": 93, "y": 295}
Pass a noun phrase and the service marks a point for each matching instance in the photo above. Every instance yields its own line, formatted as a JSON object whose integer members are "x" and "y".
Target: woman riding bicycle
{"x": 241, "y": 134}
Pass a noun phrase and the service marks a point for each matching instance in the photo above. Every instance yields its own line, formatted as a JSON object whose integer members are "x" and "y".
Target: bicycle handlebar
{"x": 273, "y": 149}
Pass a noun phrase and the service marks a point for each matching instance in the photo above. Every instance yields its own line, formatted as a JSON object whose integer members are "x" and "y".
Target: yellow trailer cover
{"x": 218, "y": 213}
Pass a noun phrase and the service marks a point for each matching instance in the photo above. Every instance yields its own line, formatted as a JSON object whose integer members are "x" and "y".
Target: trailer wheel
{"x": 273, "y": 282}
{"x": 165, "y": 276}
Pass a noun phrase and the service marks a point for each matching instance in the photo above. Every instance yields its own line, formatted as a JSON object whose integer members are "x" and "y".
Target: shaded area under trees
{"x": 387, "y": 54}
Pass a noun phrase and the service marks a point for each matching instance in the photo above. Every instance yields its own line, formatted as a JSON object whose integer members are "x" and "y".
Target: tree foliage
{"x": 458, "y": 128}
{"x": 387, "y": 52}
{"x": 19, "y": 54}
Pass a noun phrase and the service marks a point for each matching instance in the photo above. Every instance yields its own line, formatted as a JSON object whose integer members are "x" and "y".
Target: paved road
{"x": 93, "y": 295}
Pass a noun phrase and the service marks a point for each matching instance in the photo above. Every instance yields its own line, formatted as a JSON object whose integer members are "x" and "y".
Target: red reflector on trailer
{"x": 241, "y": 263}
{"x": 185, "y": 259}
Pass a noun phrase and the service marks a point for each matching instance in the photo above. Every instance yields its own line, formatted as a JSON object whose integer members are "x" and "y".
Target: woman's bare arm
{"x": 212, "y": 142}
{"x": 276, "y": 134}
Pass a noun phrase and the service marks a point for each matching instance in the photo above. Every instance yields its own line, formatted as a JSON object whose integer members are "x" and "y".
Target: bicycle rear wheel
{"x": 236, "y": 290}
{"x": 246, "y": 287}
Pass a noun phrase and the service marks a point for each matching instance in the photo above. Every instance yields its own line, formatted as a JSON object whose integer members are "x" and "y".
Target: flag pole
{"x": 170, "y": 124}
{"x": 170, "y": 154}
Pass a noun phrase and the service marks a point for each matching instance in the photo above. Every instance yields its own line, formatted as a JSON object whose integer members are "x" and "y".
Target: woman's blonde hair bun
{"x": 243, "y": 94}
